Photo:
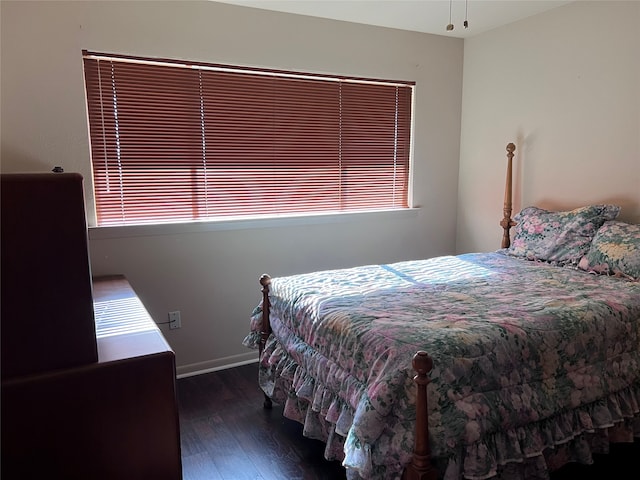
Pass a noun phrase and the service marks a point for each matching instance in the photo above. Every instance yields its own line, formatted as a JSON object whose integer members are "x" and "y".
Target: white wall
{"x": 564, "y": 86}
{"x": 211, "y": 273}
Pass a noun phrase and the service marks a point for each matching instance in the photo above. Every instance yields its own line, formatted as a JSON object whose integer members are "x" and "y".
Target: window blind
{"x": 174, "y": 141}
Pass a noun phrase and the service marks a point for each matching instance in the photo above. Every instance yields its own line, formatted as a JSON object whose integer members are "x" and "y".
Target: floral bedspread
{"x": 533, "y": 363}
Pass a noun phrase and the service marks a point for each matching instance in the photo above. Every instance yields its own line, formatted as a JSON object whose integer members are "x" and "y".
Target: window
{"x": 178, "y": 141}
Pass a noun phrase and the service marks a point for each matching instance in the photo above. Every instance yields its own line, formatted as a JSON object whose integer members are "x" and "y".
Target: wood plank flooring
{"x": 227, "y": 435}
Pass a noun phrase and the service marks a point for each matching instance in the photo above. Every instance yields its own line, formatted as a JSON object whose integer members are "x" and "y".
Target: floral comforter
{"x": 533, "y": 363}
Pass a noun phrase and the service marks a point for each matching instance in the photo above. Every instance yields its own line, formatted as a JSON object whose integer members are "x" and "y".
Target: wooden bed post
{"x": 507, "y": 222}
{"x": 265, "y": 331}
{"x": 420, "y": 467}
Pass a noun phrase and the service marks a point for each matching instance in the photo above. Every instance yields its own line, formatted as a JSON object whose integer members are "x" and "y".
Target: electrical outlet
{"x": 174, "y": 320}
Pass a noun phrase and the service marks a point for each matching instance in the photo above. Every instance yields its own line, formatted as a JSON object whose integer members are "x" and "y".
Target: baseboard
{"x": 217, "y": 364}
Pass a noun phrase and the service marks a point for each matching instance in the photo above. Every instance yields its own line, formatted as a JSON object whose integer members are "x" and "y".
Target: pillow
{"x": 561, "y": 238}
{"x": 615, "y": 250}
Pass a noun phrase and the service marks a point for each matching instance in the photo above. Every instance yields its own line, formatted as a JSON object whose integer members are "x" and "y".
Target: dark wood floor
{"x": 227, "y": 435}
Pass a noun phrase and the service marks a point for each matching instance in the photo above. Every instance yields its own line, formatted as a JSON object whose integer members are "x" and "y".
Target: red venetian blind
{"x": 173, "y": 141}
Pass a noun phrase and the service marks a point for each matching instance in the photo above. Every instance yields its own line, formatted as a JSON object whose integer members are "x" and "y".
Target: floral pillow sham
{"x": 561, "y": 238}
{"x": 615, "y": 250}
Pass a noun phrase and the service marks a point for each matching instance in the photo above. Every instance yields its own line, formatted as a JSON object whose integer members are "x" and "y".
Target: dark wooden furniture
{"x": 88, "y": 380}
{"x": 115, "y": 418}
{"x": 46, "y": 278}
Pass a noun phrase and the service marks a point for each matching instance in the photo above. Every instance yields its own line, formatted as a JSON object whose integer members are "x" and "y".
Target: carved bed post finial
{"x": 265, "y": 329}
{"x": 420, "y": 467}
{"x": 506, "y": 223}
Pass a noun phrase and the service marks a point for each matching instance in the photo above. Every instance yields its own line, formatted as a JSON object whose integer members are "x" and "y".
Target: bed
{"x": 505, "y": 364}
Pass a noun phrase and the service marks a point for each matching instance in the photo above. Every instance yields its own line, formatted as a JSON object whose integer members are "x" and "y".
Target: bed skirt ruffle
{"x": 532, "y": 451}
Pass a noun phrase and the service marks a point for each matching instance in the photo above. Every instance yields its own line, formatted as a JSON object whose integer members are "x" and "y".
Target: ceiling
{"x": 428, "y": 16}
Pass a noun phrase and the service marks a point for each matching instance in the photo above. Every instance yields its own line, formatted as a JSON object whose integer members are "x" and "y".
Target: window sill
{"x": 103, "y": 233}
